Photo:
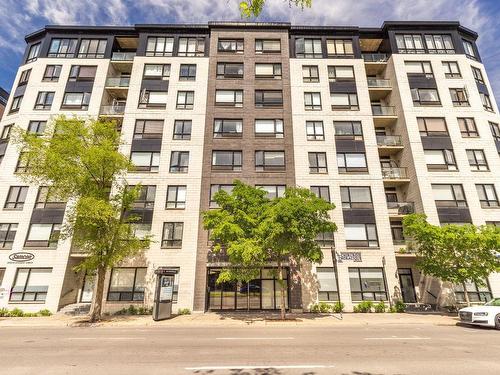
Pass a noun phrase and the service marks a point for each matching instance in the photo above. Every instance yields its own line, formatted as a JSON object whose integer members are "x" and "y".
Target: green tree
{"x": 454, "y": 253}
{"x": 256, "y": 231}
{"x": 253, "y": 8}
{"x": 80, "y": 161}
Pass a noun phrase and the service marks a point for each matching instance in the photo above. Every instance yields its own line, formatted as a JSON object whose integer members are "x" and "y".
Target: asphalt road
{"x": 391, "y": 349}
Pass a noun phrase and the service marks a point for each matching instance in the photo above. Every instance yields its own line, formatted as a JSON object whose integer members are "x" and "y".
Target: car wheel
{"x": 497, "y": 321}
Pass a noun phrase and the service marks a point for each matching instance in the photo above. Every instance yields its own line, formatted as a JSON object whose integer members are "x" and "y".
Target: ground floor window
{"x": 475, "y": 292}
{"x": 367, "y": 284}
{"x": 31, "y": 285}
{"x": 327, "y": 280}
{"x": 127, "y": 284}
{"x": 258, "y": 294}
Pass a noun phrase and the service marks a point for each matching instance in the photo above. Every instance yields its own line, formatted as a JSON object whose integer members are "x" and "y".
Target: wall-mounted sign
{"x": 21, "y": 257}
{"x": 349, "y": 256}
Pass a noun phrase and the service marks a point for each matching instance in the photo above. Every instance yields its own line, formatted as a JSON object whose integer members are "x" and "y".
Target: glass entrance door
{"x": 407, "y": 286}
{"x": 87, "y": 289}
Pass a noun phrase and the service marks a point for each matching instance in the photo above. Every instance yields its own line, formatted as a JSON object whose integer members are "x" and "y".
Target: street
{"x": 389, "y": 349}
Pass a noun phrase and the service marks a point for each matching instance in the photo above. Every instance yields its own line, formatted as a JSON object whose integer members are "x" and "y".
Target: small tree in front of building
{"x": 80, "y": 161}
{"x": 454, "y": 253}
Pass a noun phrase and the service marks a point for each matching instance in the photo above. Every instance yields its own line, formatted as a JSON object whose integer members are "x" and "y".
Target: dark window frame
{"x": 235, "y": 103}
{"x": 352, "y": 99}
{"x": 362, "y": 290}
{"x": 50, "y": 243}
{"x": 495, "y": 130}
{"x": 172, "y": 242}
{"x": 190, "y": 69}
{"x": 262, "y": 50}
{"x": 16, "y": 104}
{"x": 24, "y": 78}
{"x": 419, "y": 102}
{"x": 238, "y": 45}
{"x": 175, "y": 165}
{"x": 7, "y": 240}
{"x": 367, "y": 243}
{"x": 85, "y": 101}
{"x": 188, "y": 99}
{"x": 459, "y": 97}
{"x": 344, "y": 42}
{"x": 303, "y": 55}
{"x": 316, "y": 167}
{"x": 184, "y": 133}
{"x": 176, "y": 204}
{"x": 98, "y": 54}
{"x": 332, "y": 74}
{"x": 456, "y": 202}
{"x": 162, "y": 53}
{"x": 44, "y": 104}
{"x": 25, "y": 291}
{"x": 277, "y": 133}
{"x": 45, "y": 201}
{"x": 221, "y": 133}
{"x": 142, "y": 134}
{"x": 264, "y": 167}
{"x": 145, "y": 97}
{"x": 120, "y": 293}
{"x": 350, "y": 204}
{"x": 431, "y": 133}
{"x": 351, "y": 170}
{"x": 261, "y": 102}
{"x": 234, "y": 166}
{"x": 486, "y": 101}
{"x": 321, "y": 191}
{"x": 223, "y": 66}
{"x": 450, "y": 163}
{"x": 20, "y": 193}
{"x": 331, "y": 295}
{"x": 143, "y": 200}
{"x": 487, "y": 202}
{"x": 54, "y": 75}
{"x": 145, "y": 168}
{"x": 72, "y": 42}
{"x": 449, "y": 73}
{"x": 469, "y": 129}
{"x": 199, "y": 46}
{"x": 311, "y": 78}
{"x": 314, "y": 136}
{"x": 33, "y": 53}
{"x": 277, "y": 71}
{"x": 355, "y": 135}
{"x": 477, "y": 165}
{"x": 312, "y": 106}
{"x": 165, "y": 72}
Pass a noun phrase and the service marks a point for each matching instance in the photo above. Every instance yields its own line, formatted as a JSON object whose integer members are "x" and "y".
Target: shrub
{"x": 399, "y": 306}
{"x": 363, "y": 307}
{"x": 380, "y": 307}
{"x": 338, "y": 307}
{"x": 4, "y": 312}
{"x": 132, "y": 310}
{"x": 16, "y": 313}
{"x": 321, "y": 307}
{"x": 44, "y": 312}
{"x": 185, "y": 311}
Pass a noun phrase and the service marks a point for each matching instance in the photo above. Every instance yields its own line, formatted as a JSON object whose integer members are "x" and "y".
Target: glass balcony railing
{"x": 378, "y": 83}
{"x": 381, "y": 110}
{"x": 118, "y": 82}
{"x": 394, "y": 173}
{"x": 117, "y": 109}
{"x": 389, "y": 140}
{"x": 375, "y": 57}
{"x": 401, "y": 208}
{"x": 122, "y": 56}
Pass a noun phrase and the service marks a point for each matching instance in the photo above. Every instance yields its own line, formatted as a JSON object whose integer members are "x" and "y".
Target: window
{"x": 92, "y": 48}
{"x": 268, "y": 98}
{"x": 76, "y": 100}
{"x": 351, "y": 162}
{"x": 185, "y": 100}
{"x": 145, "y": 161}
{"x": 23, "y": 163}
{"x": 361, "y": 235}
{"x": 485, "y": 99}
{"x": 475, "y": 292}
{"x": 16, "y": 197}
{"x": 172, "y": 235}
{"x": 82, "y": 73}
{"x": 64, "y": 48}
{"x": 339, "y": 47}
{"x": 191, "y": 47}
{"x": 325, "y": 239}
{"x": 322, "y": 192}
{"x": 160, "y": 46}
{"x": 269, "y": 161}
{"x": 153, "y": 99}
{"x": 267, "y": 46}
{"x": 179, "y": 161}
{"x": 348, "y": 130}
{"x": 230, "y": 45}
{"x": 437, "y": 43}
{"x": 30, "y": 285}
{"x": 409, "y": 43}
{"x": 367, "y": 284}
{"x": 477, "y": 160}
{"x": 308, "y": 48}
{"x": 273, "y": 191}
{"x": 46, "y": 199}
{"x": 227, "y": 160}
{"x": 341, "y": 74}
{"x": 495, "y": 131}
{"x": 419, "y": 68}
{"x": 269, "y": 128}
{"x": 432, "y": 126}
{"x": 16, "y": 104}
{"x": 229, "y": 70}
{"x": 356, "y": 197}
{"x": 478, "y": 76}
{"x": 37, "y": 127}
{"x": 216, "y": 188}
{"x": 459, "y": 97}
{"x": 469, "y": 49}
{"x": 52, "y": 73}
{"x": 43, "y": 235}
{"x": 451, "y": 69}
{"x": 44, "y": 100}
{"x": 156, "y": 71}
{"x": 228, "y": 128}
{"x": 268, "y": 71}
{"x": 344, "y": 102}
{"x": 148, "y": 129}
{"x": 187, "y": 72}
{"x": 7, "y": 235}
{"x": 487, "y": 195}
{"x": 317, "y": 162}
{"x": 176, "y": 197}
{"x": 312, "y": 101}
{"x": 425, "y": 97}
{"x": 467, "y": 127}
{"x": 310, "y": 73}
{"x": 24, "y": 78}
{"x": 33, "y": 52}
{"x": 315, "y": 131}
{"x": 327, "y": 280}
{"x": 449, "y": 195}
{"x": 182, "y": 129}
{"x": 127, "y": 284}
{"x": 145, "y": 198}
{"x": 232, "y": 98}
{"x": 397, "y": 232}
{"x": 438, "y": 160}
{"x": 6, "y": 132}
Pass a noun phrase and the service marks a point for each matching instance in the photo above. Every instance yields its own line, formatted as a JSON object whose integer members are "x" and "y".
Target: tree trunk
{"x": 95, "y": 313}
{"x": 466, "y": 295}
{"x": 282, "y": 291}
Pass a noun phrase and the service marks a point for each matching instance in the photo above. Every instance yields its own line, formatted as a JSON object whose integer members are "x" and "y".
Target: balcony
{"x": 384, "y": 115}
{"x": 398, "y": 209}
{"x": 375, "y": 63}
{"x": 378, "y": 88}
{"x": 117, "y": 87}
{"x": 113, "y": 110}
{"x": 389, "y": 144}
{"x": 122, "y": 61}
{"x": 394, "y": 176}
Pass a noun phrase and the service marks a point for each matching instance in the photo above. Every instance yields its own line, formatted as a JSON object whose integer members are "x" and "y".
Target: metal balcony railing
{"x": 401, "y": 208}
{"x": 389, "y": 140}
{"x": 118, "y": 82}
{"x": 117, "y": 109}
{"x": 122, "y": 56}
{"x": 379, "y": 82}
{"x": 381, "y": 110}
{"x": 394, "y": 173}
{"x": 375, "y": 57}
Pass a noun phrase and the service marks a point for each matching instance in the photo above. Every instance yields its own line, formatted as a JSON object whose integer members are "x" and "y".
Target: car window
{"x": 494, "y": 302}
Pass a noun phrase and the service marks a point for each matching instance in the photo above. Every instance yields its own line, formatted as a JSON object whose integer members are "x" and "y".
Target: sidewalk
{"x": 238, "y": 319}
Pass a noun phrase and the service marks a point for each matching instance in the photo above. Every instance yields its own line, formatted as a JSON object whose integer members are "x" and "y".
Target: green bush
{"x": 380, "y": 307}
{"x": 44, "y": 312}
{"x": 321, "y": 307}
{"x": 4, "y": 312}
{"x": 338, "y": 307}
{"x": 399, "y": 306}
{"x": 185, "y": 311}
{"x": 16, "y": 313}
{"x": 363, "y": 307}
{"x": 132, "y": 310}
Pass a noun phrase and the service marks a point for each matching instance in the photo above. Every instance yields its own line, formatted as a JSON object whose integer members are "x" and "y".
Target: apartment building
{"x": 382, "y": 122}
{"x": 4, "y": 96}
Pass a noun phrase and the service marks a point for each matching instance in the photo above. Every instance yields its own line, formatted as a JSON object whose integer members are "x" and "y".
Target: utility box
{"x": 162, "y": 308}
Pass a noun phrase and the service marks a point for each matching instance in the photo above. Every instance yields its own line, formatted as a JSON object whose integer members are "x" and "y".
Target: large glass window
{"x": 153, "y": 99}
{"x": 268, "y": 98}
{"x": 43, "y": 235}
{"x": 145, "y": 198}
{"x": 16, "y": 197}
{"x": 227, "y": 160}
{"x": 7, "y": 235}
{"x": 467, "y": 127}
{"x": 341, "y": 73}
{"x": 33, "y": 52}
{"x": 172, "y": 235}
{"x": 185, "y": 100}
{"x": 179, "y": 161}
{"x": 76, "y": 100}
{"x": 52, "y": 73}
{"x": 156, "y": 71}
{"x": 317, "y": 162}
{"x": 469, "y": 49}
{"x": 267, "y": 46}
{"x": 315, "y": 131}
{"x": 44, "y": 100}
{"x": 269, "y": 161}
{"x": 264, "y": 70}
{"x": 46, "y": 199}
{"x": 438, "y": 160}
{"x": 148, "y": 129}
{"x": 92, "y": 48}
{"x": 310, "y": 73}
{"x": 308, "y": 48}
{"x": 312, "y": 101}
{"x": 439, "y": 43}
{"x": 487, "y": 195}
{"x": 432, "y": 126}
{"x": 477, "y": 160}
{"x": 228, "y": 128}
{"x": 352, "y": 162}
{"x": 361, "y": 235}
{"x": 187, "y": 72}
{"x": 30, "y": 285}
{"x": 127, "y": 284}
{"x": 145, "y": 161}
{"x": 356, "y": 197}
{"x": 449, "y": 195}
{"x": 232, "y": 98}
{"x": 419, "y": 68}
{"x": 451, "y": 69}
{"x": 348, "y": 130}
{"x": 191, "y": 47}
{"x": 327, "y": 280}
{"x": 230, "y": 45}
{"x": 273, "y": 191}
{"x": 459, "y": 97}
{"x": 367, "y": 284}
{"x": 409, "y": 43}
{"x": 344, "y": 102}
{"x": 64, "y": 48}
{"x": 176, "y": 197}
{"x": 269, "y": 128}
{"x": 160, "y": 46}
{"x": 475, "y": 292}
{"x": 339, "y": 47}
{"x": 230, "y": 70}
{"x": 425, "y": 97}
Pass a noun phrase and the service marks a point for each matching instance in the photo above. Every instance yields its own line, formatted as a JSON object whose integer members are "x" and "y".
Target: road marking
{"x": 255, "y": 338}
{"x": 282, "y": 367}
{"x": 397, "y": 338}
{"x": 105, "y": 338}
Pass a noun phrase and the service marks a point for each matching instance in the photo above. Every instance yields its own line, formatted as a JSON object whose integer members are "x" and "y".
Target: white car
{"x": 487, "y": 315}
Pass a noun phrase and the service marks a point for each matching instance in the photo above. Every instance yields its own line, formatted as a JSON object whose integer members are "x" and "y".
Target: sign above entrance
{"x": 21, "y": 257}
{"x": 349, "y": 256}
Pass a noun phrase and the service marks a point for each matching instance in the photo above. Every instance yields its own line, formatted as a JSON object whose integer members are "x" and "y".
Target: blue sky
{"x": 21, "y": 17}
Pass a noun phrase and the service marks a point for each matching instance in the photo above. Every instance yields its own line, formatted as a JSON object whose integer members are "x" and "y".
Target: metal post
{"x": 386, "y": 282}
{"x": 335, "y": 269}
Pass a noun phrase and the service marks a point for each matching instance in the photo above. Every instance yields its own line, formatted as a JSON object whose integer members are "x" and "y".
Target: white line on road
{"x": 105, "y": 338}
{"x": 207, "y": 368}
{"x": 397, "y": 338}
{"x": 255, "y": 338}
